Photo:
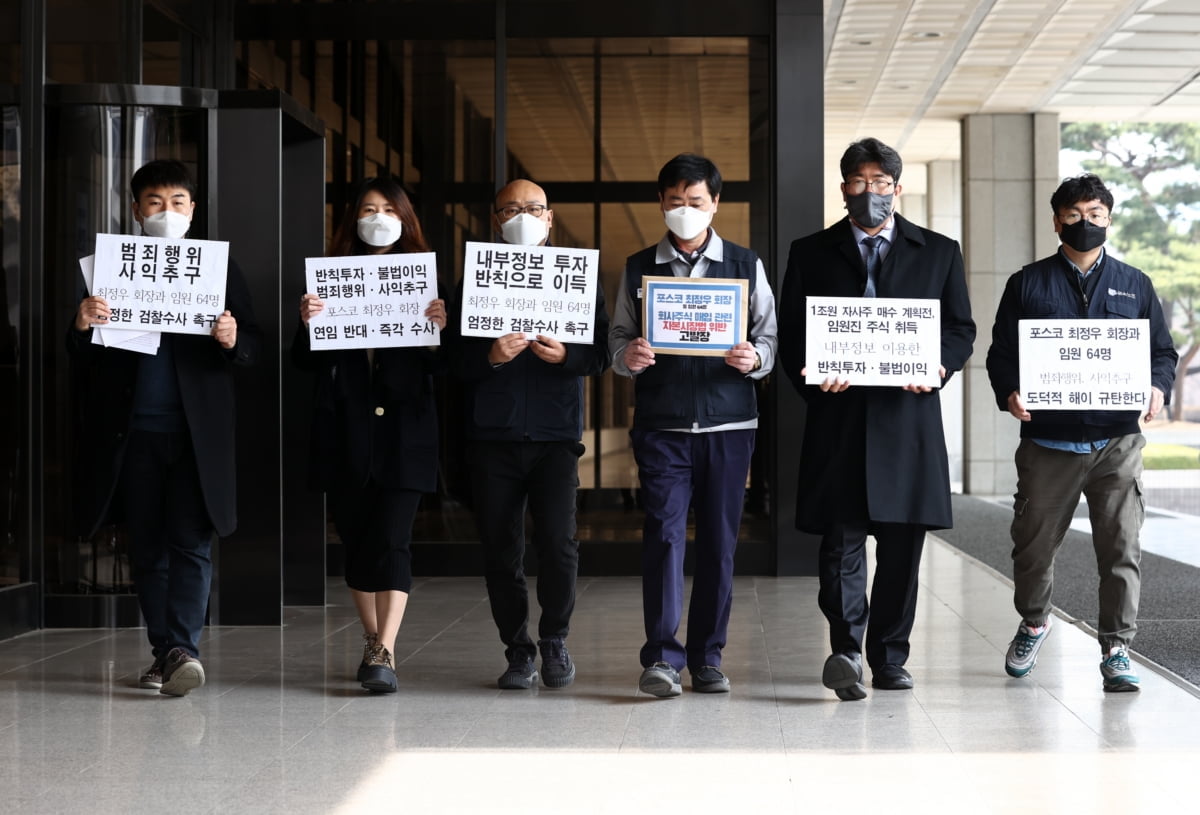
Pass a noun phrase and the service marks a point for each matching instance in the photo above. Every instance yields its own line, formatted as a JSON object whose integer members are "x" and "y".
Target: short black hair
{"x": 1080, "y": 188}
{"x": 163, "y": 172}
{"x": 691, "y": 168}
{"x": 871, "y": 151}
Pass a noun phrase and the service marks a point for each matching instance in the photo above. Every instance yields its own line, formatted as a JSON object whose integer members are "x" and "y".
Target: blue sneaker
{"x": 1117, "y": 672}
{"x": 1023, "y": 650}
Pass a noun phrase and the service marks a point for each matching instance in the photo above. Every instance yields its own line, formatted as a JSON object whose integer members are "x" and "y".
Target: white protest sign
{"x": 161, "y": 284}
{"x": 144, "y": 342}
{"x": 885, "y": 341}
{"x": 533, "y": 290}
{"x": 1084, "y": 364}
{"x": 373, "y": 301}
{"x": 703, "y": 316}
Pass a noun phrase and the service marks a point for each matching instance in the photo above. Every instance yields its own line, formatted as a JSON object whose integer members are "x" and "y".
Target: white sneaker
{"x": 1023, "y": 650}
{"x": 1117, "y": 671}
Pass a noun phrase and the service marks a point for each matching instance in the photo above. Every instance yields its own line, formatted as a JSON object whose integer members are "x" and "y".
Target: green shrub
{"x": 1159, "y": 456}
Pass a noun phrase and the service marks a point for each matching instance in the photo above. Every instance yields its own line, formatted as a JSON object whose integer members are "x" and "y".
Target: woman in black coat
{"x": 374, "y": 435}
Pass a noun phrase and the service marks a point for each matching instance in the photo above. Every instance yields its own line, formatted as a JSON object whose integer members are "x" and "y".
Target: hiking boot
{"x": 709, "y": 679}
{"x": 520, "y": 674}
{"x": 1118, "y": 673}
{"x": 558, "y": 670}
{"x": 369, "y": 642}
{"x": 152, "y": 677}
{"x": 1023, "y": 650}
{"x": 182, "y": 673}
{"x": 660, "y": 680}
{"x": 379, "y": 676}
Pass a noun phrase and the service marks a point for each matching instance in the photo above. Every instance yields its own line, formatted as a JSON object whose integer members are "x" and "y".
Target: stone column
{"x": 1010, "y": 169}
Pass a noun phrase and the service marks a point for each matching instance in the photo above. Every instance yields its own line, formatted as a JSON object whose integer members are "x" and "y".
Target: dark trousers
{"x": 375, "y": 525}
{"x": 706, "y": 471}
{"x": 170, "y": 538}
{"x": 506, "y": 478}
{"x": 887, "y": 619}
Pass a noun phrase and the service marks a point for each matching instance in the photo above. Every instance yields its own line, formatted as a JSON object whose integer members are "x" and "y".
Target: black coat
{"x": 371, "y": 420}
{"x": 105, "y": 380}
{"x": 874, "y": 453}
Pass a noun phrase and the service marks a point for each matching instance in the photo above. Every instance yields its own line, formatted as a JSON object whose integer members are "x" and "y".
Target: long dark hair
{"x": 345, "y": 237}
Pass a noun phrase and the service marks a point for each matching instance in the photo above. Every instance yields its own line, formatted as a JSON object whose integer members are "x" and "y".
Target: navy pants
{"x": 509, "y": 476}
{"x": 708, "y": 472}
{"x": 170, "y": 538}
{"x": 887, "y": 619}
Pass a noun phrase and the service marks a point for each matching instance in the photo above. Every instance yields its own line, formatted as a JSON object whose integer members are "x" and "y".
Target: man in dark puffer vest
{"x": 693, "y": 432}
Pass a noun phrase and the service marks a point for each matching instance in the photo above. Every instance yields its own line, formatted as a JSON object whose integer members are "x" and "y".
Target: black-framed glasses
{"x": 512, "y": 210}
{"x": 1094, "y": 218}
{"x": 881, "y": 186}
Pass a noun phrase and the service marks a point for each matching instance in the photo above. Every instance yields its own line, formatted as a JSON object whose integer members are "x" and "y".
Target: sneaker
{"x": 709, "y": 679}
{"x": 1023, "y": 650}
{"x": 558, "y": 669}
{"x": 151, "y": 678}
{"x": 379, "y": 676}
{"x": 520, "y": 674}
{"x": 182, "y": 673}
{"x": 660, "y": 680}
{"x": 369, "y": 641}
{"x": 1117, "y": 672}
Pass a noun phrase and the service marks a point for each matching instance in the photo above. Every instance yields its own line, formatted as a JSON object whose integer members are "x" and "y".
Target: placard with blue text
{"x": 699, "y": 316}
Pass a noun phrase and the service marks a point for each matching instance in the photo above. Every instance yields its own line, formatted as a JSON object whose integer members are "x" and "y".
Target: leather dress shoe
{"x": 892, "y": 677}
{"x": 843, "y": 675}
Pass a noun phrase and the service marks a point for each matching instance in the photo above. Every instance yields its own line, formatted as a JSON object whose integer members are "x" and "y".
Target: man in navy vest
{"x": 693, "y": 432}
{"x": 524, "y": 425}
{"x": 1064, "y": 453}
{"x": 873, "y": 461}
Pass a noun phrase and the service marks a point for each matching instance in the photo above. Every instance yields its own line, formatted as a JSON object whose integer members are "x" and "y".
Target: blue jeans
{"x": 170, "y": 538}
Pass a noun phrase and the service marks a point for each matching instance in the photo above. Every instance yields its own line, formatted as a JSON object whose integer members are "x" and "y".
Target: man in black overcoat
{"x": 873, "y": 460}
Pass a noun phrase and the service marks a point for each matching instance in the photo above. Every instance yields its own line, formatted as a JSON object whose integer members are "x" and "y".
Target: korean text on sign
{"x": 1084, "y": 364}
{"x": 532, "y": 290}
{"x": 161, "y": 284}
{"x": 704, "y": 316}
{"x": 881, "y": 341}
{"x": 373, "y": 301}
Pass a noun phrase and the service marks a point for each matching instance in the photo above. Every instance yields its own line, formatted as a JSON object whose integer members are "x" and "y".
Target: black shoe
{"x": 520, "y": 674}
{"x": 709, "y": 679}
{"x": 379, "y": 676}
{"x": 661, "y": 680}
{"x": 152, "y": 677}
{"x": 843, "y": 675}
{"x": 369, "y": 641}
{"x": 182, "y": 673}
{"x": 558, "y": 669}
{"x": 892, "y": 677}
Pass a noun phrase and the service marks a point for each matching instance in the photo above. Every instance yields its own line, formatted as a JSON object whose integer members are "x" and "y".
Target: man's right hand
{"x": 638, "y": 355}
{"x": 505, "y": 349}
{"x": 1017, "y": 408}
{"x": 92, "y": 311}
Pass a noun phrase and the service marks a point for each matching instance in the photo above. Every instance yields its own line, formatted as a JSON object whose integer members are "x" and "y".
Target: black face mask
{"x": 1083, "y": 235}
{"x": 869, "y": 209}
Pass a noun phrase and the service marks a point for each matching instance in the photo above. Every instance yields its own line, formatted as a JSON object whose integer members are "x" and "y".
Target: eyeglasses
{"x": 1094, "y": 218}
{"x": 512, "y": 210}
{"x": 878, "y": 185}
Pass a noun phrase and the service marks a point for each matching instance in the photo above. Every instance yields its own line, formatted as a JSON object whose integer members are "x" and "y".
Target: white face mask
{"x": 524, "y": 230}
{"x": 166, "y": 224}
{"x": 379, "y": 229}
{"x": 687, "y": 222}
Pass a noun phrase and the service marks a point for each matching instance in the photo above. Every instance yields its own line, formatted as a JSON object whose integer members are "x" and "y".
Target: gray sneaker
{"x": 558, "y": 669}
{"x": 660, "y": 680}
{"x": 182, "y": 673}
{"x": 1023, "y": 650}
{"x": 520, "y": 674}
{"x": 1118, "y": 673}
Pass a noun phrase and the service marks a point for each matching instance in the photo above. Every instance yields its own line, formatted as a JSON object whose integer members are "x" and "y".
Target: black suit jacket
{"x": 104, "y": 380}
{"x": 874, "y": 453}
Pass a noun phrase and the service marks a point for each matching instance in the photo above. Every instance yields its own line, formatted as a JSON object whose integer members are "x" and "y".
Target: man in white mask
{"x": 693, "y": 433}
{"x": 157, "y": 443}
{"x": 524, "y": 425}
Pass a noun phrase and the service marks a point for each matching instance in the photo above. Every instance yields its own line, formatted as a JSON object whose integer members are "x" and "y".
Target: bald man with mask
{"x": 524, "y": 417}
